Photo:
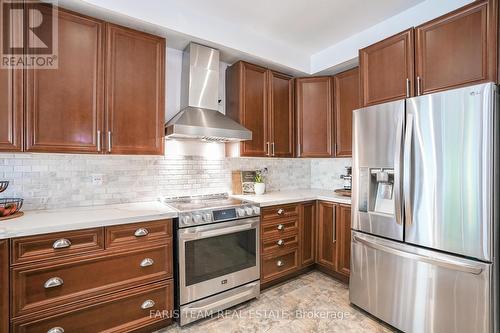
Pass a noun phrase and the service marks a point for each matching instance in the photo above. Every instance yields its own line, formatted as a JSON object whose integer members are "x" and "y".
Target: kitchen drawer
{"x": 138, "y": 234}
{"x": 279, "y": 211}
{"x": 275, "y": 266}
{"x": 281, "y": 244}
{"x": 120, "y": 312}
{"x": 75, "y": 280}
{"x": 56, "y": 245}
{"x": 279, "y": 228}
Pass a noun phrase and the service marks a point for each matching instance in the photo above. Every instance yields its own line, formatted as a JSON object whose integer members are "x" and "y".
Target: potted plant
{"x": 259, "y": 186}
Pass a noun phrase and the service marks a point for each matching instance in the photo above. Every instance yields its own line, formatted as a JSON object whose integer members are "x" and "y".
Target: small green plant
{"x": 259, "y": 178}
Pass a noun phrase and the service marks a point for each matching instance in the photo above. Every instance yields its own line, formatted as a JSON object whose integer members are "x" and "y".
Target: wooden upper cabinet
{"x": 247, "y": 104}
{"x": 346, "y": 99}
{"x": 314, "y": 116}
{"x": 459, "y": 48}
{"x": 64, "y": 106}
{"x": 326, "y": 233}
{"x": 386, "y": 69}
{"x": 135, "y": 90}
{"x": 344, "y": 237}
{"x": 11, "y": 109}
{"x": 281, "y": 113}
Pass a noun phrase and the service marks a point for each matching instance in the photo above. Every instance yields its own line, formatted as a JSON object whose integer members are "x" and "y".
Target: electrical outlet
{"x": 97, "y": 179}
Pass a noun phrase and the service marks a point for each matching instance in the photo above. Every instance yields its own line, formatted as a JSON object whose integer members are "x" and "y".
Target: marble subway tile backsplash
{"x": 325, "y": 173}
{"x": 48, "y": 181}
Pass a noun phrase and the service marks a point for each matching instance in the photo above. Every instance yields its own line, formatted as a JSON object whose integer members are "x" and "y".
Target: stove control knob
{"x": 207, "y": 217}
{"x": 249, "y": 210}
{"x": 256, "y": 210}
{"x": 186, "y": 219}
{"x": 197, "y": 218}
{"x": 240, "y": 212}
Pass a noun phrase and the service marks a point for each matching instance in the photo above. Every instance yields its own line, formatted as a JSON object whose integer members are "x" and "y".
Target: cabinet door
{"x": 327, "y": 235}
{"x": 281, "y": 114}
{"x": 315, "y": 116}
{"x": 344, "y": 237}
{"x": 457, "y": 49}
{"x": 307, "y": 234}
{"x": 135, "y": 81}
{"x": 346, "y": 99}
{"x": 386, "y": 69}
{"x": 64, "y": 106}
{"x": 11, "y": 108}
{"x": 4, "y": 282}
{"x": 254, "y": 110}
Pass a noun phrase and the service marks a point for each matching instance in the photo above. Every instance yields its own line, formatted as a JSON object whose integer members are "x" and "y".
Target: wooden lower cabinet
{"x": 126, "y": 311}
{"x": 307, "y": 224}
{"x": 4, "y": 285}
{"x": 121, "y": 275}
{"x": 326, "y": 235}
{"x": 344, "y": 240}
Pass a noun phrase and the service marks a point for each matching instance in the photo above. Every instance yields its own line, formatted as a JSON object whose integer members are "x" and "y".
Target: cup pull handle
{"x": 147, "y": 304}
{"x": 141, "y": 232}
{"x": 53, "y": 282}
{"x": 147, "y": 262}
{"x": 61, "y": 243}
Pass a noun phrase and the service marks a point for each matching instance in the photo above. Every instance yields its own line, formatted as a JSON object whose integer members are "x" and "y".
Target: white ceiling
{"x": 306, "y": 25}
{"x": 299, "y": 37}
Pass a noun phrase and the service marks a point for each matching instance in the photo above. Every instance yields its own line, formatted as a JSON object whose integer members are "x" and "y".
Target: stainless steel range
{"x": 217, "y": 254}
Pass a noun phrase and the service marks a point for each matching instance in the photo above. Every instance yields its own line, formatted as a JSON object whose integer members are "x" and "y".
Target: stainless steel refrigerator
{"x": 425, "y": 224}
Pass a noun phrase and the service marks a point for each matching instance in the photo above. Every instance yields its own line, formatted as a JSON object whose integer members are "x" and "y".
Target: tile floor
{"x": 313, "y": 302}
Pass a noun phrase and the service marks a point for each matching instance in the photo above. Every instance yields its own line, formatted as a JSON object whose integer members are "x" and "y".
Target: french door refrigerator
{"x": 425, "y": 224}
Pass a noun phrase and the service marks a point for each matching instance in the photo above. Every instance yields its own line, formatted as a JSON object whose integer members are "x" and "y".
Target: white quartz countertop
{"x": 292, "y": 196}
{"x": 45, "y": 221}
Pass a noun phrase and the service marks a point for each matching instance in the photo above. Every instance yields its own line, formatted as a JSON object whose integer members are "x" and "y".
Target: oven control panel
{"x": 217, "y": 215}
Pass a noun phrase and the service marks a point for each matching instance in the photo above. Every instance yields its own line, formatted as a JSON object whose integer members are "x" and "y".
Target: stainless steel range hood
{"x": 199, "y": 118}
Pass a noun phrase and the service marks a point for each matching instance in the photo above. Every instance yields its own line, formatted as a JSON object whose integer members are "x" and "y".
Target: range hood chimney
{"x": 199, "y": 118}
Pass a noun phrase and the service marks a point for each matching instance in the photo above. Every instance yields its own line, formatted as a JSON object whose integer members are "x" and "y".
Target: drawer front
{"x": 281, "y": 244}
{"x": 56, "y": 245}
{"x": 279, "y": 228}
{"x": 280, "y": 211}
{"x": 275, "y": 266}
{"x": 138, "y": 234}
{"x": 121, "y": 312}
{"x": 40, "y": 287}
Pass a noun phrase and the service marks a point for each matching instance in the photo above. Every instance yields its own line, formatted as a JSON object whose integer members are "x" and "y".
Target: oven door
{"x": 217, "y": 257}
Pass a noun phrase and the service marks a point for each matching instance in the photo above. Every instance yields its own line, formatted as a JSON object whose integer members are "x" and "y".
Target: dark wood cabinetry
{"x": 307, "y": 226}
{"x": 246, "y": 96}
{"x": 314, "y": 107}
{"x": 387, "y": 69}
{"x": 134, "y": 91}
{"x": 71, "y": 279}
{"x": 457, "y": 49}
{"x": 344, "y": 240}
{"x": 105, "y": 96}
{"x": 346, "y": 99}
{"x": 4, "y": 285}
{"x": 64, "y": 106}
{"x": 11, "y": 110}
{"x": 262, "y": 101}
{"x": 326, "y": 235}
{"x": 453, "y": 50}
{"x": 282, "y": 123}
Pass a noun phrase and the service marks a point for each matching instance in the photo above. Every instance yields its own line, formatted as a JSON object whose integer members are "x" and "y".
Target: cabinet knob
{"x": 280, "y": 242}
{"x": 141, "y": 232}
{"x": 61, "y": 243}
{"x": 281, "y": 211}
{"x": 53, "y": 282}
{"x": 56, "y": 330}
{"x": 147, "y": 304}
{"x": 147, "y": 262}
{"x": 281, "y": 227}
{"x": 280, "y": 263}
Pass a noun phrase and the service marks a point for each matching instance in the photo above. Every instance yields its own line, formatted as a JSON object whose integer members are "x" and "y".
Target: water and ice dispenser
{"x": 376, "y": 191}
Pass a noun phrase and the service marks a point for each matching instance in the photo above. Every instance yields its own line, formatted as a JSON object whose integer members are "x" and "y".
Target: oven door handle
{"x": 199, "y": 234}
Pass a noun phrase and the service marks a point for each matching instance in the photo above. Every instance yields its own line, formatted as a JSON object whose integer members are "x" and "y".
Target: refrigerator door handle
{"x": 397, "y": 172}
{"x": 450, "y": 264}
{"x": 407, "y": 168}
